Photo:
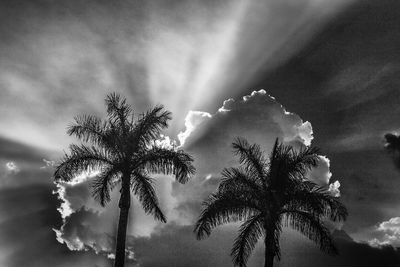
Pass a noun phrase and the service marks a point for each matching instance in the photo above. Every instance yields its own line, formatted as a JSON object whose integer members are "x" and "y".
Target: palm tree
{"x": 269, "y": 194}
{"x": 122, "y": 149}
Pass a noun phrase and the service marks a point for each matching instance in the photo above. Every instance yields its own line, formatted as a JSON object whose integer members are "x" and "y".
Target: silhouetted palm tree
{"x": 123, "y": 150}
{"x": 267, "y": 194}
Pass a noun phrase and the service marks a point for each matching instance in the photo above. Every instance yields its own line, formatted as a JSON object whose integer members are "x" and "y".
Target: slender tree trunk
{"x": 269, "y": 260}
{"x": 269, "y": 254}
{"x": 124, "y": 205}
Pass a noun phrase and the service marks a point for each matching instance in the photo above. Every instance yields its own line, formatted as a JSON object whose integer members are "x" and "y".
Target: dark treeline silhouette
{"x": 268, "y": 194}
{"x": 121, "y": 147}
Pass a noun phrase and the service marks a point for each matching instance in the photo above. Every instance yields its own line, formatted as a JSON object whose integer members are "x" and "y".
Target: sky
{"x": 314, "y": 72}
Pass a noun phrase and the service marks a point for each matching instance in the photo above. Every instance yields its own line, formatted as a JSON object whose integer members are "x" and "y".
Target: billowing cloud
{"x": 27, "y": 215}
{"x": 387, "y": 233}
{"x": 192, "y": 120}
{"x": 48, "y": 164}
{"x": 321, "y": 175}
{"x": 88, "y": 226}
{"x": 261, "y": 119}
{"x": 334, "y": 188}
{"x": 12, "y": 167}
{"x": 84, "y": 225}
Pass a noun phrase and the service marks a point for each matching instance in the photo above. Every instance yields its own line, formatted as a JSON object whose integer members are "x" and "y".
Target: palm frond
{"x": 250, "y": 156}
{"x": 288, "y": 167}
{"x": 223, "y": 208}
{"x": 314, "y": 199}
{"x": 81, "y": 158}
{"x": 277, "y": 162}
{"x": 104, "y": 183}
{"x": 312, "y": 227}
{"x": 283, "y": 192}
{"x": 118, "y": 109}
{"x": 310, "y": 197}
{"x": 150, "y": 124}
{"x": 300, "y": 162}
{"x": 249, "y": 233}
{"x": 238, "y": 181}
{"x": 89, "y": 128}
{"x": 167, "y": 161}
{"x": 142, "y": 187}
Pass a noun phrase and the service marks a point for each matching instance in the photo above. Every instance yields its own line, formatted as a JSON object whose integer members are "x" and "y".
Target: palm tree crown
{"x": 122, "y": 149}
{"x": 269, "y": 194}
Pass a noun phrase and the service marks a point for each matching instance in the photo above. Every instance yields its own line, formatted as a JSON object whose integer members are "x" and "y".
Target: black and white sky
{"x": 320, "y": 72}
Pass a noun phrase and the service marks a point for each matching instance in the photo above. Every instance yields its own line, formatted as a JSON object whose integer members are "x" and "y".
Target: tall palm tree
{"x": 122, "y": 148}
{"x": 269, "y": 194}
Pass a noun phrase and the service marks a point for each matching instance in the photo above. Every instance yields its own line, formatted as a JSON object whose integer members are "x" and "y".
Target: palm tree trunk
{"x": 124, "y": 205}
{"x": 269, "y": 256}
{"x": 269, "y": 260}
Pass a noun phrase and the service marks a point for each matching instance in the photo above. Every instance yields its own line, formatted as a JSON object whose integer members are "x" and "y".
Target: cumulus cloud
{"x": 88, "y": 226}
{"x": 12, "y": 167}
{"x": 48, "y": 164}
{"x": 192, "y": 120}
{"x": 387, "y": 233}
{"x": 334, "y": 188}
{"x": 261, "y": 119}
{"x": 84, "y": 226}
{"x": 321, "y": 175}
{"x": 165, "y": 142}
{"x": 13, "y": 174}
{"x": 26, "y": 236}
{"x": 305, "y": 133}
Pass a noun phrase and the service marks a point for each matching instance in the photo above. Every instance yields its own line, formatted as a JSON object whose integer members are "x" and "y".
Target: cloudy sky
{"x": 320, "y": 72}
